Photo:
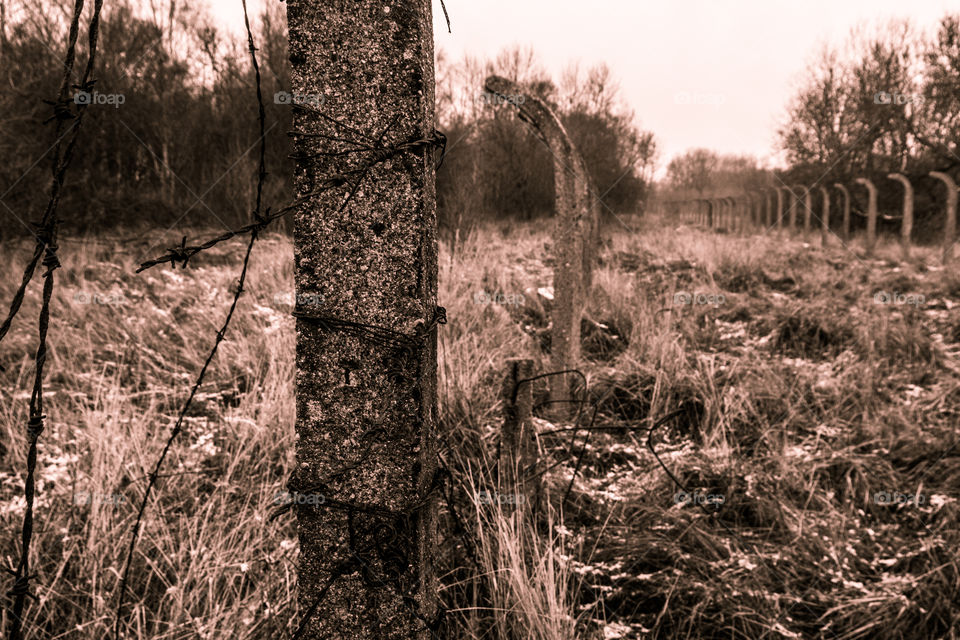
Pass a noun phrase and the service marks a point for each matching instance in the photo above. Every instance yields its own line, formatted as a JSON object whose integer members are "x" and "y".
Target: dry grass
{"x": 801, "y": 400}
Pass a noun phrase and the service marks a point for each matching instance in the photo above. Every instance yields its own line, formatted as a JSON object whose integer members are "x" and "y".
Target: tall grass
{"x": 801, "y": 399}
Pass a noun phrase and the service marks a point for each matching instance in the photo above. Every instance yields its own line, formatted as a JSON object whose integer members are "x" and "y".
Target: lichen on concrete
{"x": 366, "y": 405}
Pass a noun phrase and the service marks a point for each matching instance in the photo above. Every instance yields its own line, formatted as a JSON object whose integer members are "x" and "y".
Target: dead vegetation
{"x": 808, "y": 403}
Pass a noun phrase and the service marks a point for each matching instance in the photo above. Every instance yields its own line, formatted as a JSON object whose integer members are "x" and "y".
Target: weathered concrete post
{"x": 743, "y": 208}
{"x": 871, "y": 241}
{"x": 577, "y": 234}
{"x": 846, "y": 211}
{"x": 779, "y": 191}
{"x": 950, "y": 220}
{"x": 747, "y": 209}
{"x": 906, "y": 225}
{"x": 518, "y": 455}
{"x": 771, "y": 210}
{"x": 792, "y": 212}
{"x": 366, "y": 356}
{"x": 825, "y": 219}
{"x": 806, "y": 205}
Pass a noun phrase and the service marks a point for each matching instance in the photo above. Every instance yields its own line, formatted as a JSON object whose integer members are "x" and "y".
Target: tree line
{"x": 170, "y": 131}
{"x": 886, "y": 100}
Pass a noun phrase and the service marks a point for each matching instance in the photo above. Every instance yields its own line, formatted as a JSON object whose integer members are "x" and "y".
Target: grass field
{"x": 820, "y": 398}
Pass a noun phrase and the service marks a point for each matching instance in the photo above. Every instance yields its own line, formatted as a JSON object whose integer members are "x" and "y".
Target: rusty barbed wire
{"x": 45, "y": 254}
{"x": 183, "y": 253}
{"x": 259, "y": 222}
{"x": 403, "y": 346}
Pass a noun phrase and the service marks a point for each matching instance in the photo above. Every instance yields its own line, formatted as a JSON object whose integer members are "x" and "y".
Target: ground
{"x": 814, "y": 396}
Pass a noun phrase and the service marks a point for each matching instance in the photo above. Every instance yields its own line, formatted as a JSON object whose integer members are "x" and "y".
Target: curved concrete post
{"x": 871, "y": 241}
{"x": 771, "y": 208}
{"x": 754, "y": 205}
{"x": 950, "y": 220}
{"x": 768, "y": 211}
{"x": 743, "y": 217}
{"x": 779, "y": 191}
{"x": 792, "y": 210}
{"x": 825, "y": 218}
{"x": 577, "y": 234}
{"x": 761, "y": 220}
{"x": 906, "y": 225}
{"x": 846, "y": 211}
{"x": 805, "y": 206}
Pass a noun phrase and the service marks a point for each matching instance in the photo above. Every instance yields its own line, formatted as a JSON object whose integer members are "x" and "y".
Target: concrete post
{"x": 871, "y": 241}
{"x": 825, "y": 218}
{"x": 950, "y": 220}
{"x": 846, "y": 211}
{"x": 906, "y": 225}
{"x": 577, "y": 233}
{"x": 366, "y": 358}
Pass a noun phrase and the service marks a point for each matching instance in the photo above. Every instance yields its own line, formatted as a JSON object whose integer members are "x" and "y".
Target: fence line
{"x": 714, "y": 212}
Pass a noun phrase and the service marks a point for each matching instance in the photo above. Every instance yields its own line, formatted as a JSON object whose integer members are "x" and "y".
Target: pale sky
{"x": 698, "y": 73}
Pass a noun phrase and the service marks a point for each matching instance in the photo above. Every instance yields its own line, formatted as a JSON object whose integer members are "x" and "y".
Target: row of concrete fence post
{"x": 771, "y": 208}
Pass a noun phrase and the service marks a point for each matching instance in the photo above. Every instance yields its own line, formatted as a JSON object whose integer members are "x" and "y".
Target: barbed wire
{"x": 380, "y": 153}
{"x": 45, "y": 254}
{"x": 402, "y": 348}
{"x": 259, "y": 222}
